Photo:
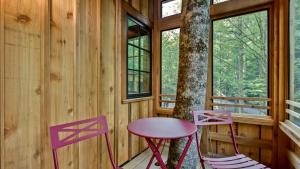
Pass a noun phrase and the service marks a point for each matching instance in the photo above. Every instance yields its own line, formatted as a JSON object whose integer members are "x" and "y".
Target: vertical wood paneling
{"x": 107, "y": 62}
{"x": 62, "y": 66}
{"x": 59, "y": 62}
{"x": 122, "y": 112}
{"x": 144, "y": 7}
{"x": 249, "y": 131}
{"x": 22, "y": 54}
{"x": 2, "y": 83}
{"x": 266, "y": 154}
{"x": 224, "y": 148}
{"x": 86, "y": 76}
{"x": 135, "y": 110}
{"x": 143, "y": 113}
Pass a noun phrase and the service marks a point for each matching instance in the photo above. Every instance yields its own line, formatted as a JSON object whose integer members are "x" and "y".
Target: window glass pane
{"x": 240, "y": 60}
{"x": 170, "y": 7}
{"x": 145, "y": 61}
{"x": 133, "y": 58}
{"x": 145, "y": 81}
{"x": 138, "y": 59}
{"x": 294, "y": 72}
{"x": 169, "y": 65}
{"x": 218, "y": 1}
{"x": 133, "y": 82}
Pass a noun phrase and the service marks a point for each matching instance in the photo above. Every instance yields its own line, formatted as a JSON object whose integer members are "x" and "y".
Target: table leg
{"x": 152, "y": 158}
{"x": 188, "y": 144}
{"x": 156, "y": 153}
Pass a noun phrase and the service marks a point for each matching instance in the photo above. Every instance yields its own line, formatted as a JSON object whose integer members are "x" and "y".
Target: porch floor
{"x": 141, "y": 161}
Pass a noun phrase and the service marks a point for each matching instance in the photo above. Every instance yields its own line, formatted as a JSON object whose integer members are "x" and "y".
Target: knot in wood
{"x": 23, "y": 19}
{"x": 69, "y": 15}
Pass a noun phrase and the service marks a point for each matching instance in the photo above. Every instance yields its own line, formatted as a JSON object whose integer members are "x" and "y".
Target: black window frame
{"x": 144, "y": 26}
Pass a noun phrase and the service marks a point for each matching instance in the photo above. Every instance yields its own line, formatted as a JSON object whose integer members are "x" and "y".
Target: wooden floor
{"x": 141, "y": 161}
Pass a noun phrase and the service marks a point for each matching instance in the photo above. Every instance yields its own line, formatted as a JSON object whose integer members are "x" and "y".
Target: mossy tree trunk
{"x": 192, "y": 78}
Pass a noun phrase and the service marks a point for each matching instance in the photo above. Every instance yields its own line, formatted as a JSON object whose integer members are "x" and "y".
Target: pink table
{"x": 163, "y": 129}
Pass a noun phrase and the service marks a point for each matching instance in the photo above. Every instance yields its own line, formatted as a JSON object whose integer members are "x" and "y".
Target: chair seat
{"x": 233, "y": 162}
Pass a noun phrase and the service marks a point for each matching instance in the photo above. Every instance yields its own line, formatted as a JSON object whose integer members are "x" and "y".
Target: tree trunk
{"x": 192, "y": 76}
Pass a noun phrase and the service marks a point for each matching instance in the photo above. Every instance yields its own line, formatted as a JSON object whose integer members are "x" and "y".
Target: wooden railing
{"x": 289, "y": 127}
{"x": 168, "y": 101}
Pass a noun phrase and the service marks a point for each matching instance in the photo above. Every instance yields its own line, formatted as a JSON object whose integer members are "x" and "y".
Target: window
{"x": 240, "y": 63}
{"x": 138, "y": 59}
{"x": 170, "y": 7}
{"x": 169, "y": 66}
{"x": 218, "y": 1}
{"x": 294, "y": 60}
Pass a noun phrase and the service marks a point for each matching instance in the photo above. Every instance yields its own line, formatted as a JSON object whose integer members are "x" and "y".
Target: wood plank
{"x": 107, "y": 72}
{"x": 150, "y": 107}
{"x": 87, "y": 59}
{"x": 135, "y": 109}
{"x": 294, "y": 159}
{"x": 2, "y": 88}
{"x": 21, "y": 75}
{"x": 143, "y": 114}
{"x": 136, "y": 4}
{"x": 122, "y": 110}
{"x": 45, "y": 81}
{"x": 249, "y": 142}
{"x": 249, "y": 131}
{"x": 290, "y": 133}
{"x": 266, "y": 154}
{"x": 62, "y": 65}
{"x": 224, "y": 148}
{"x": 144, "y": 7}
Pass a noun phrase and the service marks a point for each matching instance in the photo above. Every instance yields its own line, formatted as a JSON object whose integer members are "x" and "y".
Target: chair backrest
{"x": 212, "y": 117}
{"x": 77, "y": 131}
{"x": 74, "y": 132}
{"x": 215, "y": 117}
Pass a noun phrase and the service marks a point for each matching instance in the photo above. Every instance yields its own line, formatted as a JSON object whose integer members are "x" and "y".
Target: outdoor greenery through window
{"x": 240, "y": 62}
{"x": 169, "y": 66}
{"x": 170, "y": 7}
{"x": 138, "y": 59}
{"x": 294, "y": 72}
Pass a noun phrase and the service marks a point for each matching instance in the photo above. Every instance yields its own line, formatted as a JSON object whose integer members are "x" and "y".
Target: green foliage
{"x": 169, "y": 60}
{"x": 240, "y": 56}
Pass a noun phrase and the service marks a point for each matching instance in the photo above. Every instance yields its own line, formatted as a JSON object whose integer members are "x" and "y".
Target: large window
{"x": 138, "y": 59}
{"x": 169, "y": 66}
{"x": 240, "y": 63}
{"x": 294, "y": 58}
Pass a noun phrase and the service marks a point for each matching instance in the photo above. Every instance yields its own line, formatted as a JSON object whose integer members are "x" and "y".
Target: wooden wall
{"x": 60, "y": 62}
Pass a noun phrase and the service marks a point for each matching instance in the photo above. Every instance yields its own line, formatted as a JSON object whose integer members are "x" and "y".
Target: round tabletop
{"x": 162, "y": 128}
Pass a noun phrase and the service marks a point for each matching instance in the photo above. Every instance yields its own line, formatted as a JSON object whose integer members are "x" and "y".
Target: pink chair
{"x": 210, "y": 117}
{"x": 76, "y": 133}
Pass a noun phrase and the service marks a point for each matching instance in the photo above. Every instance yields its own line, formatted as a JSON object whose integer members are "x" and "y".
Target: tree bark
{"x": 192, "y": 75}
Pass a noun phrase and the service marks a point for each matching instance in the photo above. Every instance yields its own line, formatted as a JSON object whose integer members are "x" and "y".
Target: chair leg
{"x": 110, "y": 152}
{"x": 199, "y": 152}
{"x": 55, "y": 159}
{"x": 233, "y": 139}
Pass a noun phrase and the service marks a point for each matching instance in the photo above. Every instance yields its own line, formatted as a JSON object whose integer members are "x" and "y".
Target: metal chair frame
{"x": 92, "y": 128}
{"x": 220, "y": 117}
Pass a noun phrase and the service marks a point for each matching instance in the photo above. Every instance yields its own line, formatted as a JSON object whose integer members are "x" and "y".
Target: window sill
{"x": 291, "y": 130}
{"x": 125, "y": 101}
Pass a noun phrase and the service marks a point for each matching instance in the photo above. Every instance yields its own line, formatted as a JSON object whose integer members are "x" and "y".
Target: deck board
{"x": 141, "y": 161}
